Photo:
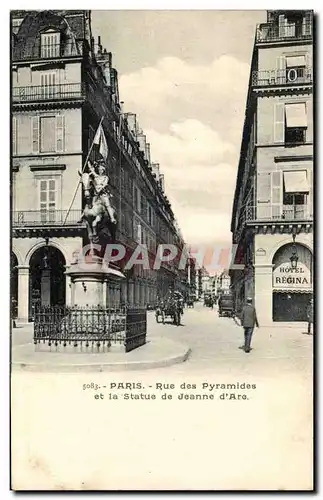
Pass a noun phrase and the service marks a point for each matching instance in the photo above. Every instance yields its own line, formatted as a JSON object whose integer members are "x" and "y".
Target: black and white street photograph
{"x": 162, "y": 299}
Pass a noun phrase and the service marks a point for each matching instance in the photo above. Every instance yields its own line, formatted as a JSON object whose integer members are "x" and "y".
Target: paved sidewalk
{"x": 157, "y": 352}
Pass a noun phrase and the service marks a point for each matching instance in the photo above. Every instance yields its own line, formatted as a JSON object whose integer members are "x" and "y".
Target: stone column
{"x": 124, "y": 298}
{"x": 68, "y": 286}
{"x": 23, "y": 293}
{"x": 264, "y": 294}
{"x": 131, "y": 292}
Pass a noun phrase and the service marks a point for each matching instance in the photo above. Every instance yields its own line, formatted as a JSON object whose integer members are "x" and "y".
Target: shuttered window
{"x": 263, "y": 195}
{"x": 14, "y": 135}
{"x": 307, "y": 24}
{"x": 60, "y": 128}
{"x": 276, "y": 194}
{"x": 48, "y": 83}
{"x": 35, "y": 134}
{"x": 48, "y": 199}
{"x": 279, "y": 122}
{"x": 48, "y": 134}
{"x": 50, "y": 45}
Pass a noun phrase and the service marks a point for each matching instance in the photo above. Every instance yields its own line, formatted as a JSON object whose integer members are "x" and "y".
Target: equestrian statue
{"x": 98, "y": 212}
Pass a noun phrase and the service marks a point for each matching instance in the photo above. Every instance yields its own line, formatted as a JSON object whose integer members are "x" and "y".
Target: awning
{"x": 295, "y": 61}
{"x": 296, "y": 115}
{"x": 296, "y": 182}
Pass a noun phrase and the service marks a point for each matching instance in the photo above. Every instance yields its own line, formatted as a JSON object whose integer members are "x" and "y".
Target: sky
{"x": 185, "y": 74}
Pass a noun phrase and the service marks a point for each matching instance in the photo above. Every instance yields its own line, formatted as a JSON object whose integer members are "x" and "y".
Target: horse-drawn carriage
{"x": 171, "y": 307}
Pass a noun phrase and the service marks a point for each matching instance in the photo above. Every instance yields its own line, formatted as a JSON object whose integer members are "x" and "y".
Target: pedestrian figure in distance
{"x": 309, "y": 317}
{"x": 248, "y": 321}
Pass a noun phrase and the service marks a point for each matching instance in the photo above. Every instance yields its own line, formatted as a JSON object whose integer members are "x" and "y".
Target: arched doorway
{"x": 46, "y": 278}
{"x": 14, "y": 285}
{"x": 292, "y": 288}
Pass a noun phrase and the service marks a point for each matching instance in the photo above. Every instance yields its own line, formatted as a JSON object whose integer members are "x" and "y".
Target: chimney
{"x": 148, "y": 152}
{"x": 132, "y": 123}
{"x": 142, "y": 143}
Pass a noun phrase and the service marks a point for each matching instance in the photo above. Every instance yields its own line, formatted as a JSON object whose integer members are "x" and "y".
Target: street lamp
{"x": 294, "y": 257}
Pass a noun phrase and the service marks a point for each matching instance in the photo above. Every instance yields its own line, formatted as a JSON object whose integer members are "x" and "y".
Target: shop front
{"x": 292, "y": 285}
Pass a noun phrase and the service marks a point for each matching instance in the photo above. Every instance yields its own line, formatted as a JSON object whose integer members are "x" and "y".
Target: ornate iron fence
{"x": 90, "y": 327}
{"x": 136, "y": 328}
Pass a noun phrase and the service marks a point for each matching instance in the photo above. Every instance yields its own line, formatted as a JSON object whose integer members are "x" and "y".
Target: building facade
{"x": 63, "y": 85}
{"x": 272, "y": 219}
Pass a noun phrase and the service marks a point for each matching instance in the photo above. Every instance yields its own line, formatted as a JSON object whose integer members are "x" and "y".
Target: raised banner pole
{"x": 85, "y": 163}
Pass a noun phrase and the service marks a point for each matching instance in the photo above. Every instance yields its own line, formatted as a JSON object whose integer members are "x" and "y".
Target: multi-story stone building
{"x": 272, "y": 217}
{"x": 63, "y": 84}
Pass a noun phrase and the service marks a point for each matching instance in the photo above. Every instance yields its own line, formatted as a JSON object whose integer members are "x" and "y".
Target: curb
{"x": 180, "y": 356}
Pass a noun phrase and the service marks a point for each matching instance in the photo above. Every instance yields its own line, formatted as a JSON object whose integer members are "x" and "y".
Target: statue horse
{"x": 95, "y": 212}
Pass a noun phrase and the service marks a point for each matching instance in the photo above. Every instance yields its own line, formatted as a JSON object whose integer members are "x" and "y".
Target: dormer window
{"x": 50, "y": 44}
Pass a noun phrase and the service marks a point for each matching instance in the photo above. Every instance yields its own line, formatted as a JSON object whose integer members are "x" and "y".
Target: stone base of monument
{"x": 89, "y": 325}
{"x": 89, "y": 279}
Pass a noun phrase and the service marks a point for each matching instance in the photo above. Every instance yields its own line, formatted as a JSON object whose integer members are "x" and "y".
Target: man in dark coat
{"x": 309, "y": 316}
{"x": 248, "y": 321}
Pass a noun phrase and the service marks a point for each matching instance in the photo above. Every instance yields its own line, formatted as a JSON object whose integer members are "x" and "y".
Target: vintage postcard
{"x": 162, "y": 270}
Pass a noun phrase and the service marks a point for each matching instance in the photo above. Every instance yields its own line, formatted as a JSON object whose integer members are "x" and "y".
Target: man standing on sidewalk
{"x": 248, "y": 321}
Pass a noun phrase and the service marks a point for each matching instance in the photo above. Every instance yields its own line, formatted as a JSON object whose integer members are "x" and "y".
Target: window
{"x": 296, "y": 123}
{"x": 50, "y": 45}
{"x": 48, "y": 85}
{"x": 290, "y": 123}
{"x": 295, "y": 69}
{"x": 291, "y": 25}
{"x": 295, "y": 135}
{"x": 296, "y": 189}
{"x": 48, "y": 134}
{"x": 48, "y": 199}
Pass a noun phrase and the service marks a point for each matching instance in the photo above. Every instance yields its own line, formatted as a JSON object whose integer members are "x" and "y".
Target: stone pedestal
{"x": 88, "y": 282}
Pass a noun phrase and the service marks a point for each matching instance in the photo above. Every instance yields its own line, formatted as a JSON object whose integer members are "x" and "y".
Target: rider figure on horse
{"x": 101, "y": 182}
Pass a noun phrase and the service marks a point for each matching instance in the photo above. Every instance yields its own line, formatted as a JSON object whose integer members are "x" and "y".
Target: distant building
{"x": 272, "y": 218}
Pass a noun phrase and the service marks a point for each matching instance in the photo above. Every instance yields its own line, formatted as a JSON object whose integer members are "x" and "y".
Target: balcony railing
{"x": 47, "y": 51}
{"x": 48, "y": 92}
{"x": 289, "y": 76}
{"x": 269, "y": 32}
{"x": 30, "y": 218}
{"x": 279, "y": 213}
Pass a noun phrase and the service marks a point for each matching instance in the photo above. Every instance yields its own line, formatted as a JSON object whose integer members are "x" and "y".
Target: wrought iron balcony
{"x": 290, "y": 76}
{"x": 47, "y": 51}
{"x": 269, "y": 32}
{"x": 48, "y": 92}
{"x": 33, "y": 218}
{"x": 279, "y": 213}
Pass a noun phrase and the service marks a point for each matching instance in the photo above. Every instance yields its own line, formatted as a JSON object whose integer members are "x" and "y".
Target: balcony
{"x": 45, "y": 52}
{"x": 68, "y": 91}
{"x": 290, "y": 76}
{"x": 279, "y": 213}
{"x": 43, "y": 218}
{"x": 268, "y": 32}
